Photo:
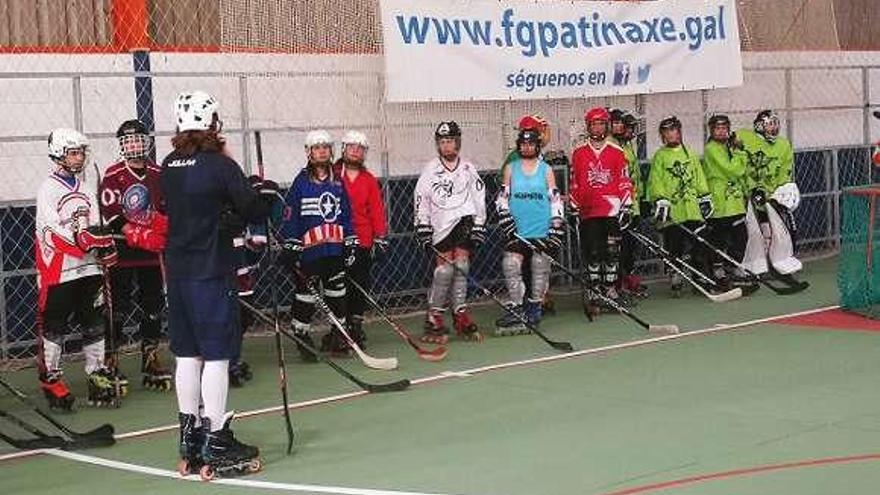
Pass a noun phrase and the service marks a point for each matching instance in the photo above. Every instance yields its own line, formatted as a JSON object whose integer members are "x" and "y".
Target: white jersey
{"x": 63, "y": 209}
{"x": 444, "y": 196}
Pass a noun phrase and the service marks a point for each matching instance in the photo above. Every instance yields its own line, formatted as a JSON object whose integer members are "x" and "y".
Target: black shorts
{"x": 459, "y": 237}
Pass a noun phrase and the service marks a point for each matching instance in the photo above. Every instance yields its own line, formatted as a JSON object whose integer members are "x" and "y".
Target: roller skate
{"x": 435, "y": 328}
{"x": 192, "y": 437}
{"x": 612, "y": 296}
{"x": 335, "y": 344}
{"x": 306, "y": 354}
{"x": 155, "y": 376}
{"x": 548, "y": 306}
{"x": 533, "y": 311}
{"x": 676, "y": 285}
{"x": 223, "y": 455}
{"x": 632, "y": 284}
{"x": 465, "y": 328}
{"x": 239, "y": 373}
{"x": 102, "y": 389}
{"x": 511, "y": 322}
{"x": 56, "y": 391}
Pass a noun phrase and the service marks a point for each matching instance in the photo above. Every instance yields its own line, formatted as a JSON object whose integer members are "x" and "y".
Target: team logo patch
{"x": 328, "y": 204}
{"x": 136, "y": 203}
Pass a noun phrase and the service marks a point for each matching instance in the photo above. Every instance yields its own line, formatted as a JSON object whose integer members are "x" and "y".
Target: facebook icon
{"x": 621, "y": 74}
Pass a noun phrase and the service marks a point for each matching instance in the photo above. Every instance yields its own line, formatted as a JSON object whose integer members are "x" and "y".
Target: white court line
{"x": 448, "y": 374}
{"x": 248, "y": 483}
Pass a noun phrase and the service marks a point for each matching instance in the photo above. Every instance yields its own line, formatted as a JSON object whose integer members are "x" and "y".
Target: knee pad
{"x": 463, "y": 264}
{"x": 440, "y": 285}
{"x": 540, "y": 266}
{"x": 459, "y": 283}
{"x": 609, "y": 272}
{"x": 594, "y": 273}
{"x": 511, "y": 268}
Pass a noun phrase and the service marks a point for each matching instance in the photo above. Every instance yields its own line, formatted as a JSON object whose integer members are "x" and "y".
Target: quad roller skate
{"x": 435, "y": 329}
{"x": 192, "y": 437}
{"x": 465, "y": 328}
{"x": 155, "y": 376}
{"x": 239, "y": 373}
{"x": 511, "y": 322}
{"x": 56, "y": 391}
{"x": 224, "y": 456}
{"x": 102, "y": 389}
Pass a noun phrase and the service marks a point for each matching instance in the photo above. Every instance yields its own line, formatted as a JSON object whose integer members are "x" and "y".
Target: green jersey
{"x": 677, "y": 176}
{"x": 725, "y": 170}
{"x": 770, "y": 165}
{"x": 635, "y": 174}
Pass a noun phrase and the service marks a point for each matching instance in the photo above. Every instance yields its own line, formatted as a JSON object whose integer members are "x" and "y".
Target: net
{"x": 858, "y": 277}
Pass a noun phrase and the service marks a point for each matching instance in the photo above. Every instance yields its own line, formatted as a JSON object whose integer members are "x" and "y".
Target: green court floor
{"x": 760, "y": 409}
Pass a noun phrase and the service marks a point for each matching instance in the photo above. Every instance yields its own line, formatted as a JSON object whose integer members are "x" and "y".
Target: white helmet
{"x": 355, "y": 137}
{"x": 61, "y": 140}
{"x": 318, "y": 137}
{"x": 195, "y": 111}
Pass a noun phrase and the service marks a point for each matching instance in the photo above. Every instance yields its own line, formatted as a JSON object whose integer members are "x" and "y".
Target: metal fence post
{"x": 245, "y": 124}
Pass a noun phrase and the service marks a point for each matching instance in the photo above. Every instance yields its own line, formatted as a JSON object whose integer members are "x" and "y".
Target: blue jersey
{"x": 530, "y": 200}
{"x": 318, "y": 214}
{"x": 197, "y": 189}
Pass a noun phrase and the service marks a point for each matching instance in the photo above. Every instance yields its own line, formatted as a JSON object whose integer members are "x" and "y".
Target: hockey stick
{"x": 562, "y": 346}
{"x": 437, "y": 354}
{"x": 369, "y": 387}
{"x": 279, "y": 344}
{"x": 672, "y": 262}
{"x": 793, "y": 288}
{"x": 584, "y": 295}
{"x": 101, "y": 436}
{"x": 666, "y": 329}
{"x": 369, "y": 361}
{"x": 43, "y": 441}
{"x": 108, "y": 303}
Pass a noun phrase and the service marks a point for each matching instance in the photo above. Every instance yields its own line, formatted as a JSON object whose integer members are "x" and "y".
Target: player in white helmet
{"x": 71, "y": 246}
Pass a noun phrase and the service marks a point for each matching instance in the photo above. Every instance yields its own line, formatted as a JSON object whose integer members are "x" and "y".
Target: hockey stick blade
{"x": 51, "y": 442}
{"x": 730, "y": 295}
{"x": 101, "y": 436}
{"x": 369, "y": 361}
{"x": 433, "y": 355}
{"x": 369, "y": 387}
{"x": 664, "y": 329}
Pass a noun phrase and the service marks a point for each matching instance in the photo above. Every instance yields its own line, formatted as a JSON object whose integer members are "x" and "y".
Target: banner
{"x": 447, "y": 50}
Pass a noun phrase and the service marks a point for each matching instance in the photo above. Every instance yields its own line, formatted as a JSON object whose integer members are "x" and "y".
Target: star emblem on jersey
{"x": 329, "y": 207}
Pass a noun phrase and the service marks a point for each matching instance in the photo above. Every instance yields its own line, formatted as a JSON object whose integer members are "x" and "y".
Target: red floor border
{"x": 743, "y": 472}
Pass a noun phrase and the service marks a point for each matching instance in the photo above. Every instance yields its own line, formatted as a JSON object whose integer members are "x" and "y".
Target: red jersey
{"x": 367, "y": 207}
{"x": 130, "y": 197}
{"x": 599, "y": 183}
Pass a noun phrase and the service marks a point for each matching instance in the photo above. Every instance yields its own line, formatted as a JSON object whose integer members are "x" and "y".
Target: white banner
{"x": 446, "y": 50}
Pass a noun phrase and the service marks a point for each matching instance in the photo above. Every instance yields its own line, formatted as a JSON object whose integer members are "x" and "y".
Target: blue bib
{"x": 530, "y": 200}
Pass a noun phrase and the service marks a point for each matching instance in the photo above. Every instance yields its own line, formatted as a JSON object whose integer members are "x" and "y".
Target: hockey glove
{"x": 787, "y": 195}
{"x": 289, "y": 254}
{"x": 147, "y": 237}
{"x": 507, "y": 225}
{"x": 706, "y": 207}
{"x": 759, "y": 197}
{"x": 478, "y": 236}
{"x": 425, "y": 235}
{"x": 380, "y": 248}
{"x": 661, "y": 210}
{"x": 107, "y": 256}
{"x": 572, "y": 213}
{"x": 92, "y": 238}
{"x": 555, "y": 236}
{"x": 625, "y": 217}
{"x": 350, "y": 244}
{"x": 231, "y": 225}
